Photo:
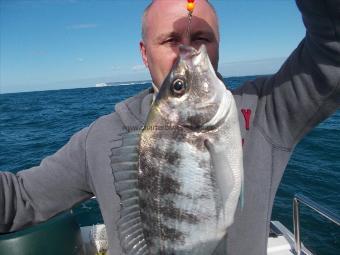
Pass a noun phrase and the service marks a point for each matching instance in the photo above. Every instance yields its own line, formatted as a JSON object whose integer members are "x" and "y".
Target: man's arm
{"x": 306, "y": 89}
{"x": 36, "y": 194}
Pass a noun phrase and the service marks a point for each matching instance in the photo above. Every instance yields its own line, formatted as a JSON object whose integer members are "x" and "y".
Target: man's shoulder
{"x": 106, "y": 121}
{"x": 247, "y": 94}
{"x": 105, "y": 126}
{"x": 251, "y": 86}
{"x": 127, "y": 111}
{"x": 133, "y": 111}
{"x": 135, "y": 101}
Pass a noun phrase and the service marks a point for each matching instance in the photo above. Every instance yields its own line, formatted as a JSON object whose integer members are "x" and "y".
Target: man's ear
{"x": 143, "y": 53}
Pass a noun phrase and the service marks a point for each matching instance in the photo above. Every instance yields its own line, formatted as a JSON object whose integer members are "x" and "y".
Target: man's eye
{"x": 204, "y": 39}
{"x": 171, "y": 40}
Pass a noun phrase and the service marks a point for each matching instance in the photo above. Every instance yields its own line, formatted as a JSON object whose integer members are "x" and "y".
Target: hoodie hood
{"x": 134, "y": 111}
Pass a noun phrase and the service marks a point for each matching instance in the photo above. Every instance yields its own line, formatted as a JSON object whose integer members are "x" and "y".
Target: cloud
{"x": 115, "y": 68}
{"x": 82, "y": 26}
{"x": 80, "y": 59}
{"x": 139, "y": 68}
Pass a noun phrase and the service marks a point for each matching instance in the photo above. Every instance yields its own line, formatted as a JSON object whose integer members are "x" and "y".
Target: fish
{"x": 181, "y": 177}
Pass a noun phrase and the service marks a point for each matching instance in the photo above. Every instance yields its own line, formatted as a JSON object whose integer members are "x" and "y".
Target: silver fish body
{"x": 189, "y": 171}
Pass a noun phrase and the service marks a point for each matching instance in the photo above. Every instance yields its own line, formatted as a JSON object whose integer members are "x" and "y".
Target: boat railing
{"x": 299, "y": 198}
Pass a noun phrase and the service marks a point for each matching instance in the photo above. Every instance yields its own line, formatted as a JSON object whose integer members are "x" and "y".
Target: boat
{"x": 102, "y": 84}
{"x": 46, "y": 238}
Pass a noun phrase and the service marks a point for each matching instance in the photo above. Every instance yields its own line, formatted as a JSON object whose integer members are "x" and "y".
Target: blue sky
{"x": 57, "y": 44}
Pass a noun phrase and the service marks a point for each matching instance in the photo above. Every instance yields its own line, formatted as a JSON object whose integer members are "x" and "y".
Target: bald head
{"x": 154, "y": 4}
{"x": 165, "y": 28}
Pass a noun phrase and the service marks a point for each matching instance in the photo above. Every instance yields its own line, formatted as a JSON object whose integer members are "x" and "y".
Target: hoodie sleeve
{"x": 306, "y": 89}
{"x": 35, "y": 195}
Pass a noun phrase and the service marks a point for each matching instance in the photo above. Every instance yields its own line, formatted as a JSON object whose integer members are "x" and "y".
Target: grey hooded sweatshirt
{"x": 275, "y": 112}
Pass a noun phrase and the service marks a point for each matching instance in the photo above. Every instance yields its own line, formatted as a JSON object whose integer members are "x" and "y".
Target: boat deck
{"x": 281, "y": 241}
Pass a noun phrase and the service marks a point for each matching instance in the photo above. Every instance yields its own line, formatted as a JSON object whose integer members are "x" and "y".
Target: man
{"x": 275, "y": 112}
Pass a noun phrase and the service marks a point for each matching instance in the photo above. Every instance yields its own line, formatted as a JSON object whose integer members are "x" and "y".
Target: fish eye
{"x": 178, "y": 87}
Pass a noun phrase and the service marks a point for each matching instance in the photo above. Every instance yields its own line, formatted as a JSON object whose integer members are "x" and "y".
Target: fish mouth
{"x": 188, "y": 52}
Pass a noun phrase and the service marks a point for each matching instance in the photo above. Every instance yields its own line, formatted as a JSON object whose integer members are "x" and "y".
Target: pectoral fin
{"x": 221, "y": 170}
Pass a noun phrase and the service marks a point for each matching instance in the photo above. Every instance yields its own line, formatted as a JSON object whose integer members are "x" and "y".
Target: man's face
{"x": 166, "y": 28}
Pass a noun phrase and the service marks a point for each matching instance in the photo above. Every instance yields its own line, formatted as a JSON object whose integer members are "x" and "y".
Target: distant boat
{"x": 102, "y": 84}
{"x": 121, "y": 83}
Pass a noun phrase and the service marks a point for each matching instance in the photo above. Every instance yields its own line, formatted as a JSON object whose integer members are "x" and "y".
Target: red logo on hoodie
{"x": 246, "y": 114}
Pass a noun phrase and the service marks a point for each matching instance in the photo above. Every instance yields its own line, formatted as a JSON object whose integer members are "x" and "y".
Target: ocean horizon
{"x": 99, "y": 84}
{"x": 94, "y": 85}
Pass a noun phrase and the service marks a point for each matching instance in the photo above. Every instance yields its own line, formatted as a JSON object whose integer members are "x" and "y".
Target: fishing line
{"x": 190, "y": 8}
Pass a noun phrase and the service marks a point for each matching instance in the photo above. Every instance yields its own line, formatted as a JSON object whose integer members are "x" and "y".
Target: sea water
{"x": 34, "y": 125}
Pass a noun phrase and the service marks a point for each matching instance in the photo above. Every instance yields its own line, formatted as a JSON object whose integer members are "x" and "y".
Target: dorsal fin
{"x": 124, "y": 164}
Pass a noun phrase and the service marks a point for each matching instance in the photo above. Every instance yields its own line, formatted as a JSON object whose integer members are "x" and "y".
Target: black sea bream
{"x": 181, "y": 184}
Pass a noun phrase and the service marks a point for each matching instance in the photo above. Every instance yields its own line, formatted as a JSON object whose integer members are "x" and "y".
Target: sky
{"x": 59, "y": 44}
